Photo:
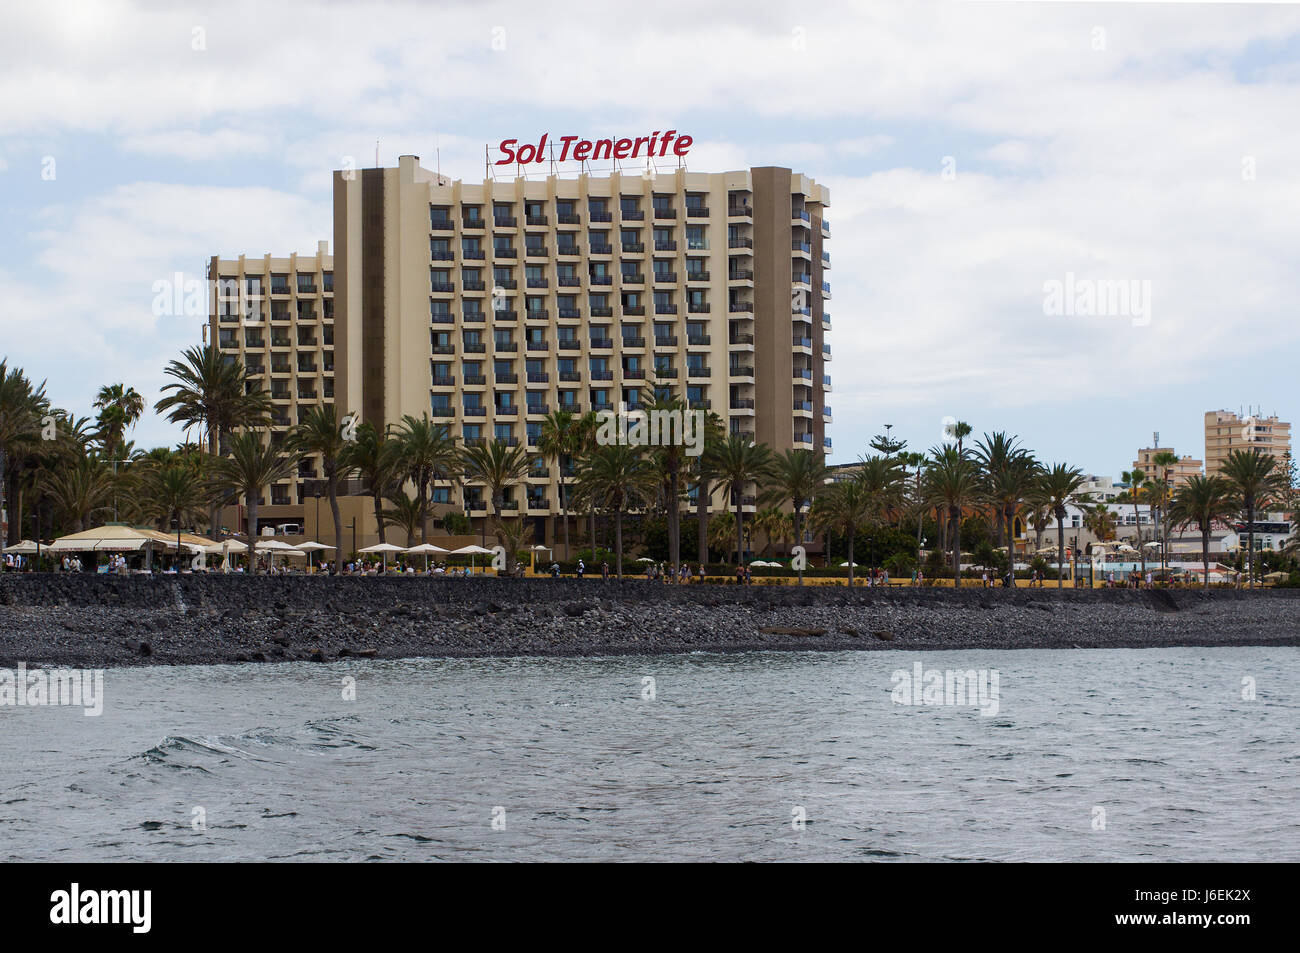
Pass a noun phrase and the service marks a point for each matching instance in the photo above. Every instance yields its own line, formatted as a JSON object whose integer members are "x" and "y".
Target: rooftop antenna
{"x": 376, "y": 153}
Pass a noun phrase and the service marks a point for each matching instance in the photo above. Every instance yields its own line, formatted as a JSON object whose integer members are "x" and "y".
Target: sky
{"x": 982, "y": 159}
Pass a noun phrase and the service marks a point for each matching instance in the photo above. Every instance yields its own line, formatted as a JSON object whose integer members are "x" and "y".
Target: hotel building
{"x": 489, "y": 304}
{"x": 1226, "y": 431}
{"x": 276, "y": 315}
{"x": 1179, "y": 472}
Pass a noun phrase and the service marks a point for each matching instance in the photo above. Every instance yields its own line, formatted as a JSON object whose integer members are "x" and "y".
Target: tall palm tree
{"x": 558, "y": 444}
{"x": 496, "y": 465}
{"x": 212, "y": 391}
{"x": 119, "y": 408}
{"x": 22, "y": 405}
{"x": 1057, "y": 487}
{"x": 1135, "y": 478}
{"x": 1164, "y": 462}
{"x": 882, "y": 480}
{"x": 951, "y": 484}
{"x": 252, "y": 465}
{"x": 915, "y": 461}
{"x": 701, "y": 471}
{"x": 739, "y": 462}
{"x": 428, "y": 454}
{"x": 320, "y": 433}
{"x": 1255, "y": 479}
{"x": 798, "y": 476}
{"x": 376, "y": 458}
{"x": 669, "y": 458}
{"x": 1007, "y": 473}
{"x": 1202, "y": 502}
{"x": 843, "y": 508}
{"x": 623, "y": 478}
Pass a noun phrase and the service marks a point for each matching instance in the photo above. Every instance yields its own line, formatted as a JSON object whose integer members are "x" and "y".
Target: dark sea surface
{"x": 1092, "y": 755}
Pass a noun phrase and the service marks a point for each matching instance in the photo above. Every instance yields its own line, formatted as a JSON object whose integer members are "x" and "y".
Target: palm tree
{"x": 915, "y": 461}
{"x": 251, "y": 466}
{"x": 798, "y": 476}
{"x": 81, "y": 491}
{"x": 1135, "y": 478}
{"x": 320, "y": 433}
{"x": 119, "y": 408}
{"x": 843, "y": 508}
{"x": 376, "y": 458}
{"x": 1164, "y": 460}
{"x": 882, "y": 481}
{"x": 496, "y": 465}
{"x": 669, "y": 458}
{"x": 951, "y": 484}
{"x": 428, "y": 454}
{"x": 176, "y": 490}
{"x": 701, "y": 467}
{"x": 404, "y": 512}
{"x": 1006, "y": 479}
{"x": 961, "y": 430}
{"x": 213, "y": 391}
{"x": 738, "y": 462}
{"x": 22, "y": 405}
{"x": 1203, "y": 501}
{"x": 1057, "y": 487}
{"x": 622, "y": 478}
{"x": 558, "y": 444}
{"x": 1255, "y": 478}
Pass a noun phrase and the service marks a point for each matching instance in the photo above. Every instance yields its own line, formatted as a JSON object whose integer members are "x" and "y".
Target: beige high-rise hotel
{"x": 489, "y": 304}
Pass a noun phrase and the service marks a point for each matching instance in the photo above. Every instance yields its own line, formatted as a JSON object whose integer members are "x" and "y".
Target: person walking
{"x": 582, "y": 567}
{"x": 604, "y": 571}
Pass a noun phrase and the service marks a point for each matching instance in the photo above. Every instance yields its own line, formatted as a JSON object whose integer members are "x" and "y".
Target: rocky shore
{"x": 105, "y": 621}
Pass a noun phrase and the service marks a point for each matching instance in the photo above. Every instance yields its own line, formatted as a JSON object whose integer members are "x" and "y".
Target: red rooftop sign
{"x": 577, "y": 149}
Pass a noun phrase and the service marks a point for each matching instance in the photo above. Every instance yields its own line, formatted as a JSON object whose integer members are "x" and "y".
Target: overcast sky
{"x": 975, "y": 153}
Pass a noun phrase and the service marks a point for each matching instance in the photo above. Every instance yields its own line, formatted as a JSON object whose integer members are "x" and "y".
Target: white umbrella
{"x": 471, "y": 551}
{"x": 311, "y": 546}
{"x": 25, "y": 548}
{"x": 645, "y": 559}
{"x": 842, "y": 565}
{"x": 384, "y": 548}
{"x": 425, "y": 548}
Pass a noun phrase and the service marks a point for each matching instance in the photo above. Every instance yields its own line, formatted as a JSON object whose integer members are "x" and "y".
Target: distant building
{"x": 1101, "y": 489}
{"x": 1178, "y": 472}
{"x": 1226, "y": 431}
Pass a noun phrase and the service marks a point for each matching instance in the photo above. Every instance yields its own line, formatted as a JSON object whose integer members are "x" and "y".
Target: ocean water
{"x": 1150, "y": 755}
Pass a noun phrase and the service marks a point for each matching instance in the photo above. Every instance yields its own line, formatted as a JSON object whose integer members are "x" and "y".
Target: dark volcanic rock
{"x": 90, "y": 620}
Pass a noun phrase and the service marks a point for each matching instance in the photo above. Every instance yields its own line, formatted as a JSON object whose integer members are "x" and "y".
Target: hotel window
{"x": 598, "y": 209}
{"x": 534, "y": 431}
{"x": 503, "y": 243}
{"x": 629, "y": 203}
{"x": 567, "y": 306}
{"x": 694, "y": 200}
{"x": 535, "y": 305}
{"x": 663, "y": 266}
{"x": 629, "y": 332}
{"x": 663, "y": 362}
{"x": 599, "y": 365}
{"x": 662, "y": 203}
{"x": 567, "y": 365}
{"x": 632, "y": 299}
{"x": 535, "y": 241}
{"x": 598, "y": 300}
{"x": 535, "y": 335}
{"x": 600, "y": 398}
{"x": 567, "y": 242}
{"x": 441, "y": 370}
{"x": 440, "y": 249}
{"x": 502, "y": 212}
{"x": 696, "y": 298}
{"x": 695, "y": 240}
{"x": 535, "y": 209}
{"x": 279, "y": 284}
{"x": 472, "y": 308}
{"x": 568, "y": 398}
{"x": 253, "y": 284}
{"x": 694, "y": 393}
{"x": 472, "y": 339}
{"x": 663, "y": 332}
{"x": 535, "y": 276}
{"x": 440, "y": 279}
{"x": 473, "y": 214}
{"x": 631, "y": 397}
{"x": 472, "y": 246}
{"x": 599, "y": 243}
{"x": 663, "y": 302}
{"x": 227, "y": 287}
{"x": 600, "y": 269}
{"x": 565, "y": 209}
{"x": 695, "y": 361}
{"x": 565, "y": 333}
{"x": 663, "y": 394}
{"x": 472, "y": 433}
{"x": 502, "y": 336}
{"x": 474, "y": 400}
{"x": 695, "y": 266}
{"x": 534, "y": 365}
{"x": 503, "y": 276}
{"x": 439, "y": 308}
{"x": 440, "y": 494}
{"x": 440, "y": 338}
{"x": 504, "y": 432}
{"x": 629, "y": 236}
{"x": 327, "y": 281}
{"x": 439, "y": 215}
{"x": 505, "y": 399}
{"x": 440, "y": 402}
{"x": 567, "y": 273}
{"x": 628, "y": 267}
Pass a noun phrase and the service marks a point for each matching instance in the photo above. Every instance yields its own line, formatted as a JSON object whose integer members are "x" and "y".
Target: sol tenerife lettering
{"x": 576, "y": 149}
{"x": 75, "y": 906}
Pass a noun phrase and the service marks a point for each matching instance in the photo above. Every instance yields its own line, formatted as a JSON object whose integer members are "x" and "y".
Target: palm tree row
{"x": 76, "y": 471}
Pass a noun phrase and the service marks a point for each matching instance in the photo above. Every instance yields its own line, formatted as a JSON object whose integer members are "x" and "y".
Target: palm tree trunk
{"x": 1060, "y": 552}
{"x": 674, "y": 524}
{"x": 215, "y": 508}
{"x": 379, "y": 520}
{"x": 1250, "y": 542}
{"x": 955, "y": 520}
{"x": 702, "y": 520}
{"x": 424, "y": 510}
{"x": 338, "y": 519}
{"x": 850, "y": 535}
{"x": 253, "y": 500}
{"x": 1141, "y": 552}
{"x": 564, "y": 510}
{"x": 618, "y": 541}
{"x": 740, "y": 534}
{"x": 798, "y": 532}
{"x": 1205, "y": 554}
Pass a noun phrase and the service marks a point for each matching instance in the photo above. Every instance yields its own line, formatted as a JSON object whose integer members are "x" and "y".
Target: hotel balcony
{"x": 634, "y": 311}
{"x": 826, "y": 414}
{"x": 633, "y": 342}
{"x": 742, "y": 340}
{"x": 744, "y": 405}
{"x": 442, "y": 412}
{"x": 698, "y": 340}
{"x": 505, "y": 251}
{"x": 699, "y": 372}
{"x": 665, "y": 309}
{"x": 740, "y": 243}
{"x": 665, "y": 278}
{"x": 740, "y": 307}
{"x": 631, "y": 214}
{"x": 571, "y": 250}
{"x": 740, "y": 211}
{"x": 802, "y": 250}
{"x": 538, "y": 221}
{"x": 443, "y": 381}
{"x": 537, "y": 316}
{"x": 505, "y": 221}
{"x": 826, "y": 260}
{"x": 472, "y": 317}
{"x": 666, "y": 246}
{"x": 602, "y": 344}
{"x": 803, "y": 345}
{"x": 505, "y": 315}
{"x": 444, "y": 349}
{"x": 474, "y": 411}
{"x": 665, "y": 340}
{"x": 696, "y": 275}
{"x": 741, "y": 371}
{"x": 475, "y": 380}
{"x": 665, "y": 213}
{"x": 510, "y": 378}
{"x": 442, "y": 287}
{"x": 633, "y": 248}
{"x": 700, "y": 307}
{"x": 602, "y": 249}
{"x": 538, "y": 377}
{"x": 539, "y": 347}
{"x": 633, "y": 279}
{"x": 697, "y": 211}
{"x": 477, "y": 347}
